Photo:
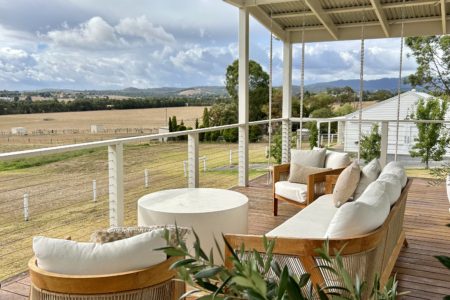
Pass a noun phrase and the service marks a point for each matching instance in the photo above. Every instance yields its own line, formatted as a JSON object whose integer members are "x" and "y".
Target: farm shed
{"x": 19, "y": 131}
{"x": 385, "y": 110}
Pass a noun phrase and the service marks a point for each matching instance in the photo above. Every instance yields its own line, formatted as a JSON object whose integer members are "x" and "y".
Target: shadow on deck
{"x": 427, "y": 213}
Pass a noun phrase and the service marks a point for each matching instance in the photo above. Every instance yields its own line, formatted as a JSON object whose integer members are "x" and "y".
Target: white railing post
{"x": 26, "y": 213}
{"x": 116, "y": 193}
{"x": 287, "y": 102}
{"x": 94, "y": 190}
{"x": 318, "y": 134}
{"x": 384, "y": 143}
{"x": 329, "y": 134}
{"x": 193, "y": 164}
{"x": 146, "y": 178}
{"x": 231, "y": 158}
{"x": 243, "y": 95}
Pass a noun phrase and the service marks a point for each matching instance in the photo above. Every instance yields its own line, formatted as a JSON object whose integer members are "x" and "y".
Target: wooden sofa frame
{"x": 368, "y": 254}
{"x": 155, "y": 282}
{"x": 311, "y": 192}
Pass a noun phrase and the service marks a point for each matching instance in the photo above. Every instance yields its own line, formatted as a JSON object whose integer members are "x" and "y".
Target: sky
{"x": 115, "y": 44}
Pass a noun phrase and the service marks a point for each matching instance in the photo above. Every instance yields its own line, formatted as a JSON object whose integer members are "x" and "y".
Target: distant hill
{"x": 369, "y": 85}
{"x": 220, "y": 91}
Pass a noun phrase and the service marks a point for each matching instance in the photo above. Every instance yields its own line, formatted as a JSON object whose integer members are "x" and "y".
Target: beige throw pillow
{"x": 300, "y": 174}
{"x": 308, "y": 158}
{"x": 346, "y": 184}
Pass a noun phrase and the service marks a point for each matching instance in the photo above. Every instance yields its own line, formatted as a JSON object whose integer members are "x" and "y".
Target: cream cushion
{"x": 393, "y": 186}
{"x": 308, "y": 158}
{"x": 369, "y": 174}
{"x": 310, "y": 223}
{"x": 291, "y": 190}
{"x": 335, "y": 160}
{"x": 300, "y": 174}
{"x": 346, "y": 184}
{"x": 361, "y": 216}
{"x": 74, "y": 258}
{"x": 397, "y": 169}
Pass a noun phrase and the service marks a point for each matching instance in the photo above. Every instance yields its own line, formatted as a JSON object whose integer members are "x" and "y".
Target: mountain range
{"x": 220, "y": 91}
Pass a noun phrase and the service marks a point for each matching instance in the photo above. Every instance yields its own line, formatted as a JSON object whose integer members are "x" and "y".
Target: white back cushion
{"x": 393, "y": 186}
{"x": 397, "y": 169}
{"x": 369, "y": 174}
{"x": 362, "y": 216}
{"x": 74, "y": 258}
{"x": 336, "y": 160}
{"x": 308, "y": 158}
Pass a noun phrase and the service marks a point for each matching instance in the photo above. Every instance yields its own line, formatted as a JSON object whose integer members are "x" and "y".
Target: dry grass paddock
{"x": 61, "y": 193}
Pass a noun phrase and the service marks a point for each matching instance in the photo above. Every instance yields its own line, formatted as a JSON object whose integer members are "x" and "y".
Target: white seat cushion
{"x": 291, "y": 190}
{"x": 73, "y": 258}
{"x": 397, "y": 169}
{"x": 361, "y": 216}
{"x": 310, "y": 223}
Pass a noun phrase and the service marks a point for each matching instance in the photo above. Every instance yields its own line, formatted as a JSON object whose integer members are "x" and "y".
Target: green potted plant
{"x": 253, "y": 276}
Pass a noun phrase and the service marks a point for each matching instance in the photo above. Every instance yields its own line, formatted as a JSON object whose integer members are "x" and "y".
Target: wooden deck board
{"x": 427, "y": 213}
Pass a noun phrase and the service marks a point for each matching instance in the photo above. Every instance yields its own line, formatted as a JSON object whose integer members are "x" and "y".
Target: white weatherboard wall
{"x": 387, "y": 110}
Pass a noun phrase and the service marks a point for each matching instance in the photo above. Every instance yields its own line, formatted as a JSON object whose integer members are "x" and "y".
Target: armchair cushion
{"x": 308, "y": 158}
{"x": 397, "y": 169}
{"x": 74, "y": 258}
{"x": 299, "y": 173}
{"x": 291, "y": 190}
{"x": 346, "y": 184}
{"x": 334, "y": 159}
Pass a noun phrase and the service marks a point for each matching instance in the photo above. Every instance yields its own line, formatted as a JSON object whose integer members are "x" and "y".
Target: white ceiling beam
{"x": 265, "y": 20}
{"x": 381, "y": 15}
{"x": 317, "y": 9}
{"x": 444, "y": 17}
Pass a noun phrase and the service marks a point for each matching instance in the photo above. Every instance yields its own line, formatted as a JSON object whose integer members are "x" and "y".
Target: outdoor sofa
{"x": 364, "y": 253}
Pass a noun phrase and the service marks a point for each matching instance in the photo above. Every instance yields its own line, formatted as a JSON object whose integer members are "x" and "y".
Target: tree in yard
{"x": 196, "y": 123}
{"x": 370, "y": 145}
{"x": 313, "y": 134}
{"x": 258, "y": 87}
{"x": 205, "y": 121}
{"x": 432, "y": 139}
{"x": 170, "y": 124}
{"x": 174, "y": 124}
{"x": 432, "y": 54}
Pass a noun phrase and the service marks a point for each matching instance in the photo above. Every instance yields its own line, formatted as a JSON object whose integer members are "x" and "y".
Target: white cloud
{"x": 143, "y": 28}
{"x": 10, "y": 53}
{"x": 95, "y": 33}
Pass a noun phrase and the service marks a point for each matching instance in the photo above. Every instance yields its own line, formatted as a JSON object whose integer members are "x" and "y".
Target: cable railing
{"x": 75, "y": 195}
{"x": 79, "y": 194}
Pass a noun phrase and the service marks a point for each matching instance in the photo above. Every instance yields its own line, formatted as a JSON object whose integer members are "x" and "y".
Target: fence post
{"x": 231, "y": 158}
{"x": 193, "y": 174}
{"x": 318, "y": 134}
{"x": 329, "y": 133}
{"x": 116, "y": 205}
{"x": 146, "y": 178}
{"x": 26, "y": 213}
{"x": 94, "y": 190}
{"x": 384, "y": 142}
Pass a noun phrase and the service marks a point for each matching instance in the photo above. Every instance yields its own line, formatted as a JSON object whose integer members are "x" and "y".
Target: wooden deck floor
{"x": 427, "y": 213}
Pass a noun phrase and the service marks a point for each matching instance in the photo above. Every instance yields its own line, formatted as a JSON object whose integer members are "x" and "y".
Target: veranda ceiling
{"x": 329, "y": 20}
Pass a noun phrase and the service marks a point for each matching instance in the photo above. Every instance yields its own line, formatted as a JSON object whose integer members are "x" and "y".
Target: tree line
{"x": 49, "y": 106}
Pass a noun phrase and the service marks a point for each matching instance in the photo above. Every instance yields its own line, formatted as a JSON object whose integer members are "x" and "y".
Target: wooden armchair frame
{"x": 60, "y": 286}
{"x": 311, "y": 194}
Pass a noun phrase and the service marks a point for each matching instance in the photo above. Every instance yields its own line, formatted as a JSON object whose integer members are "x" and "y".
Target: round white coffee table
{"x": 210, "y": 212}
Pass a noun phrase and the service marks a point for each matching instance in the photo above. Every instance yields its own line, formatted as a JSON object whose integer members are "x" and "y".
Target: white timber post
{"x": 146, "y": 178}
{"x": 287, "y": 102}
{"x": 193, "y": 174}
{"x": 243, "y": 96}
{"x": 384, "y": 143}
{"x": 318, "y": 134}
{"x": 329, "y": 133}
{"x": 94, "y": 190}
{"x": 26, "y": 212}
{"x": 116, "y": 202}
{"x": 231, "y": 157}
